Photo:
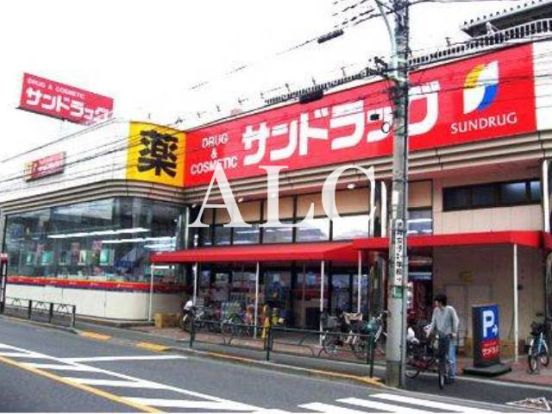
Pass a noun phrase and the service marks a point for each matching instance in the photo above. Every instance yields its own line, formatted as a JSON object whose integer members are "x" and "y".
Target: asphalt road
{"x": 45, "y": 370}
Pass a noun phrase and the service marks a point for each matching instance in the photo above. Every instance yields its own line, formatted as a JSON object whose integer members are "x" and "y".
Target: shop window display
{"x": 108, "y": 239}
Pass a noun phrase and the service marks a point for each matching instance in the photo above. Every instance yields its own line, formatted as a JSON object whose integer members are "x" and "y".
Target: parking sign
{"x": 486, "y": 338}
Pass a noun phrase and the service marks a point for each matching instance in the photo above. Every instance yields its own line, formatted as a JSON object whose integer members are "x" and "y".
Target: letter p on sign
{"x": 489, "y": 322}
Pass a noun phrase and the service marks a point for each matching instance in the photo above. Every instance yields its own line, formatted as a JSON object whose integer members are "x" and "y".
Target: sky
{"x": 148, "y": 55}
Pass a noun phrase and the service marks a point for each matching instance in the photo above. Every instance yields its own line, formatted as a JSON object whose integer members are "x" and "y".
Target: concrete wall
{"x": 478, "y": 275}
{"x": 100, "y": 303}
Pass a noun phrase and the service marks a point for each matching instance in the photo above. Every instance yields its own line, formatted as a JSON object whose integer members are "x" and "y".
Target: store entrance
{"x": 341, "y": 292}
{"x": 306, "y": 295}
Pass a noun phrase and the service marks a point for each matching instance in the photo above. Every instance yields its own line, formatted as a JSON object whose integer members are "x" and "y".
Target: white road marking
{"x": 329, "y": 408}
{"x": 430, "y": 403}
{"x": 205, "y": 405}
{"x": 117, "y": 383}
{"x": 124, "y": 358}
{"x": 21, "y": 355}
{"x": 59, "y": 367}
{"x": 376, "y": 405}
{"x": 211, "y": 402}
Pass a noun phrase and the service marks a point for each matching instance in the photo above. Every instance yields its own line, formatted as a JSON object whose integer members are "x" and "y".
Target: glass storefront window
{"x": 317, "y": 229}
{"x": 350, "y": 227}
{"x": 420, "y": 221}
{"x": 278, "y": 234}
{"x": 223, "y": 235}
{"x": 247, "y": 235}
{"x": 341, "y": 286}
{"x": 277, "y": 284}
{"x": 108, "y": 239}
{"x": 513, "y": 193}
{"x": 535, "y": 190}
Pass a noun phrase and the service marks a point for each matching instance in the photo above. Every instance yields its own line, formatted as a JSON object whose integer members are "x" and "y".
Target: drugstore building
{"x": 110, "y": 231}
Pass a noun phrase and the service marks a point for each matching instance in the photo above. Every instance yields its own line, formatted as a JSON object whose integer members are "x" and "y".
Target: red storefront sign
{"x": 490, "y": 349}
{"x": 485, "y": 97}
{"x": 62, "y": 101}
{"x": 43, "y": 167}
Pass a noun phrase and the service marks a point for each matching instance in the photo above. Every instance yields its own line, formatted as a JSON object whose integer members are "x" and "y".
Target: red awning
{"x": 521, "y": 238}
{"x": 342, "y": 251}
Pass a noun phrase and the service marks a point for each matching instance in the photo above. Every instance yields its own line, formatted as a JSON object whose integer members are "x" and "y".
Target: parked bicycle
{"x": 347, "y": 330}
{"x": 538, "y": 353}
{"x": 428, "y": 354}
{"x": 376, "y": 327}
{"x": 200, "y": 317}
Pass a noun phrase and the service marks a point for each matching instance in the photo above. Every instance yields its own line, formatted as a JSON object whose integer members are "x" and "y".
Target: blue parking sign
{"x": 486, "y": 338}
{"x": 489, "y": 322}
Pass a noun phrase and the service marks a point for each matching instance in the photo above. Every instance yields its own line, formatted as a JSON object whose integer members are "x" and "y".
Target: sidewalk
{"x": 519, "y": 373}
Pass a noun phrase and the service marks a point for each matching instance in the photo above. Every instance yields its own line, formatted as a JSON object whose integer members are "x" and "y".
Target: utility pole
{"x": 398, "y": 259}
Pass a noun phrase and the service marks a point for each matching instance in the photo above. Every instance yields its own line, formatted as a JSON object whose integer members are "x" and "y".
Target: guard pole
{"x": 359, "y": 281}
{"x": 256, "y": 315}
{"x": 322, "y": 277}
{"x": 516, "y": 304}
{"x": 150, "y": 307}
{"x": 194, "y": 297}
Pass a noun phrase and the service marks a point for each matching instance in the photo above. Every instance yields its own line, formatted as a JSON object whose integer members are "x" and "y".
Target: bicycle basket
{"x": 537, "y": 328}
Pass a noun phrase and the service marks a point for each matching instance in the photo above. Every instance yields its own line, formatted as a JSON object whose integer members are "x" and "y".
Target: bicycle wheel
{"x": 442, "y": 374}
{"x": 360, "y": 348}
{"x": 532, "y": 359}
{"x": 186, "y": 323}
{"x": 413, "y": 368}
{"x": 544, "y": 355}
{"x": 380, "y": 344}
{"x": 329, "y": 344}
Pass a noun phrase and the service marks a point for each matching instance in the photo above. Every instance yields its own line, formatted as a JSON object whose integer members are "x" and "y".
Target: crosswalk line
{"x": 205, "y": 405}
{"x": 116, "y": 383}
{"x": 17, "y": 354}
{"x": 60, "y": 367}
{"x": 329, "y": 408}
{"x": 376, "y": 405}
{"x": 125, "y": 358}
{"x": 6, "y": 346}
{"x": 430, "y": 404}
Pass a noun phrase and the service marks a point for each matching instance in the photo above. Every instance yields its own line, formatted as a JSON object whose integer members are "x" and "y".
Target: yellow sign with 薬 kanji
{"x": 156, "y": 154}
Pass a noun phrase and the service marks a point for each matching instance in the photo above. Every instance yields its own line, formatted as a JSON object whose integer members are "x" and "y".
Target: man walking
{"x": 445, "y": 323}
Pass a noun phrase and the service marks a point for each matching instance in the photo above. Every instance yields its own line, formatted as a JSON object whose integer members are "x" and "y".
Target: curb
{"x": 147, "y": 342}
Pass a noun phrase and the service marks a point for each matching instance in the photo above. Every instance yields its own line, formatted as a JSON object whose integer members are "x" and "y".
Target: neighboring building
{"x": 80, "y": 221}
{"x": 479, "y": 217}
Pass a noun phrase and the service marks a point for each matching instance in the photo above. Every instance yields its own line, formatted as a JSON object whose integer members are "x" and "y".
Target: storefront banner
{"x": 44, "y": 167}
{"x": 58, "y": 100}
{"x": 155, "y": 154}
{"x": 96, "y": 284}
{"x": 485, "y": 97}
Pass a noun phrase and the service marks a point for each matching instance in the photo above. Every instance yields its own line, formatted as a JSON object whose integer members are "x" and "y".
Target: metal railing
{"x": 237, "y": 335}
{"x": 43, "y": 311}
{"x": 338, "y": 346}
{"x": 522, "y": 33}
{"x": 330, "y": 345}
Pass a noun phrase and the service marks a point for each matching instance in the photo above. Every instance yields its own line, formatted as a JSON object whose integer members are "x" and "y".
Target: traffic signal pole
{"x": 398, "y": 259}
